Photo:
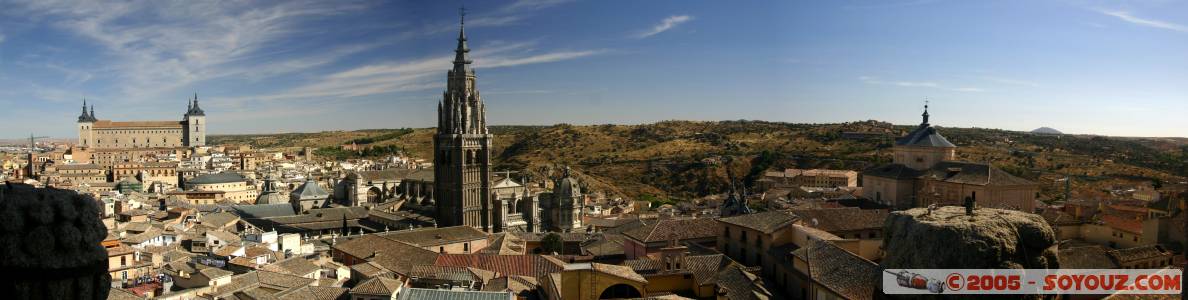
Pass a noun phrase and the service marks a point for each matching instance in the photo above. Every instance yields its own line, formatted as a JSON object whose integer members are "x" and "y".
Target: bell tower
{"x": 462, "y": 150}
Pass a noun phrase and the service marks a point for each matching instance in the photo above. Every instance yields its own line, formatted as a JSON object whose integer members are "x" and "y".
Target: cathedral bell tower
{"x": 462, "y": 150}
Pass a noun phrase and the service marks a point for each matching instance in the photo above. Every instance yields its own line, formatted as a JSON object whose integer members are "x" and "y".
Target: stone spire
{"x": 84, "y": 117}
{"x": 194, "y": 109}
{"x": 461, "y": 61}
{"x": 93, "y": 113}
{"x": 461, "y": 110}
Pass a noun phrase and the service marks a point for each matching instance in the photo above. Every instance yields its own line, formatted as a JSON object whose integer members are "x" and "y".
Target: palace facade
{"x": 94, "y": 133}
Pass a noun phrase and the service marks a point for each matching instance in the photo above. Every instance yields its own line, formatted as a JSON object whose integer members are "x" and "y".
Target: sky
{"x": 1092, "y": 67}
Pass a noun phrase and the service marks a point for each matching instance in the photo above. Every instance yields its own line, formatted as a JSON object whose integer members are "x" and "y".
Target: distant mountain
{"x": 1046, "y": 130}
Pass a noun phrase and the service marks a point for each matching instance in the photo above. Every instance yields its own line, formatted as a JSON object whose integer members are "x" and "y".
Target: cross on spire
{"x": 462, "y": 13}
{"x": 925, "y": 115}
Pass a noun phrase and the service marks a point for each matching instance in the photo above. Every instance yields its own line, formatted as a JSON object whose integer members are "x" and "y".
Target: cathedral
{"x": 924, "y": 171}
{"x": 106, "y": 134}
{"x": 462, "y": 151}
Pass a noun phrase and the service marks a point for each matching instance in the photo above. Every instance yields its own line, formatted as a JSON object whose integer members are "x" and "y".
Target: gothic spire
{"x": 84, "y": 117}
{"x": 460, "y": 58}
{"x": 194, "y": 109}
{"x": 93, "y": 112}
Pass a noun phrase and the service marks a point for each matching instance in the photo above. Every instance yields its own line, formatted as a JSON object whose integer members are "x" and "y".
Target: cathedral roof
{"x": 310, "y": 190}
{"x": 925, "y": 136}
{"x": 271, "y": 198}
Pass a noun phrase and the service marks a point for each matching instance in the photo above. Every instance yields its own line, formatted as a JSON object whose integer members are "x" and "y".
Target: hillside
{"x": 683, "y": 159}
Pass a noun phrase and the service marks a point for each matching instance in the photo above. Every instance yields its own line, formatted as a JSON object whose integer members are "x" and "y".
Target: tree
{"x": 551, "y": 243}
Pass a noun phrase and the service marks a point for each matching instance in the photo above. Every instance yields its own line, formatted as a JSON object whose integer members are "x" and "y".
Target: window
{"x": 466, "y": 247}
{"x": 743, "y": 238}
{"x": 123, "y": 261}
{"x": 441, "y": 249}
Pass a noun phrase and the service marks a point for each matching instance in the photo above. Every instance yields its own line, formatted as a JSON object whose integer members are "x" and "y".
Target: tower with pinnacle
{"x": 85, "y": 123}
{"x": 462, "y": 150}
{"x": 195, "y": 120}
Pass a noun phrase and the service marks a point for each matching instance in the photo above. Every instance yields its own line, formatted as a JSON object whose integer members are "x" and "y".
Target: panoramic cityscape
{"x": 634, "y": 150}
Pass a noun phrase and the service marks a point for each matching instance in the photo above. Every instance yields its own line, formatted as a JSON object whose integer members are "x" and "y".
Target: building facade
{"x": 462, "y": 151}
{"x": 106, "y": 134}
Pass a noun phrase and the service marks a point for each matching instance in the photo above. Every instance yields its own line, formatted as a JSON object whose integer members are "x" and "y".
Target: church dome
{"x": 925, "y": 136}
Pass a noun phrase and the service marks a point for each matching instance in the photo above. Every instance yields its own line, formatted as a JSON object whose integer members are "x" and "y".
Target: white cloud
{"x": 923, "y": 84}
{"x": 155, "y": 47}
{"x": 665, "y": 25}
{"x": 1126, "y": 16}
{"x": 522, "y": 5}
{"x": 417, "y": 74}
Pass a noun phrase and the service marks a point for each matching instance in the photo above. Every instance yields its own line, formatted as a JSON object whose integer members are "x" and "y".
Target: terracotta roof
{"x": 843, "y": 219}
{"x": 434, "y": 294}
{"x": 766, "y": 222}
{"x": 316, "y": 293}
{"x": 392, "y": 255}
{"x": 679, "y": 229}
{"x": 623, "y": 272}
{"x": 108, "y": 124}
{"x": 369, "y": 269}
{"x": 296, "y": 265}
{"x": 1140, "y": 253}
{"x": 514, "y": 284}
{"x": 1056, "y": 217}
{"x": 1124, "y": 224}
{"x": 378, "y": 286}
{"x": 736, "y": 283}
{"x": 428, "y": 237}
{"x": 266, "y": 279}
{"x": 450, "y": 273}
{"x": 1090, "y": 257}
{"x": 520, "y": 265}
{"x": 844, "y": 273}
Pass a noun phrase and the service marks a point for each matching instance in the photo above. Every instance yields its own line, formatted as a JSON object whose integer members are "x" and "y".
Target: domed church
{"x": 924, "y": 171}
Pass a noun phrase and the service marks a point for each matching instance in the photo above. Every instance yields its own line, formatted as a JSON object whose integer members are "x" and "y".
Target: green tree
{"x": 551, "y": 243}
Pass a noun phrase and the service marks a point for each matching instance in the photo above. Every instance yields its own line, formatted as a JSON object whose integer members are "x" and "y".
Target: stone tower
{"x": 462, "y": 148}
{"x": 195, "y": 120}
{"x": 85, "y": 122}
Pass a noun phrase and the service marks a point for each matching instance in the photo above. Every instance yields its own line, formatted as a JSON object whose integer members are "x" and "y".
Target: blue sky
{"x": 1103, "y": 67}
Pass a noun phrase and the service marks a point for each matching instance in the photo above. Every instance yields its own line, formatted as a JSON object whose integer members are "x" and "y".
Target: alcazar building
{"x": 106, "y": 134}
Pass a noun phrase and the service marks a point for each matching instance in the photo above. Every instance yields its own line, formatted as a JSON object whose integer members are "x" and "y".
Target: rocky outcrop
{"x": 50, "y": 245}
{"x": 949, "y": 239}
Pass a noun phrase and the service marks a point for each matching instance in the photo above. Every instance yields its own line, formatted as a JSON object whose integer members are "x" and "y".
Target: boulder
{"x": 50, "y": 245}
{"x": 947, "y": 238}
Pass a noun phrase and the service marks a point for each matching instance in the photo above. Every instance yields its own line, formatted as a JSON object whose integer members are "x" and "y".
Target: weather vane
{"x": 462, "y": 13}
